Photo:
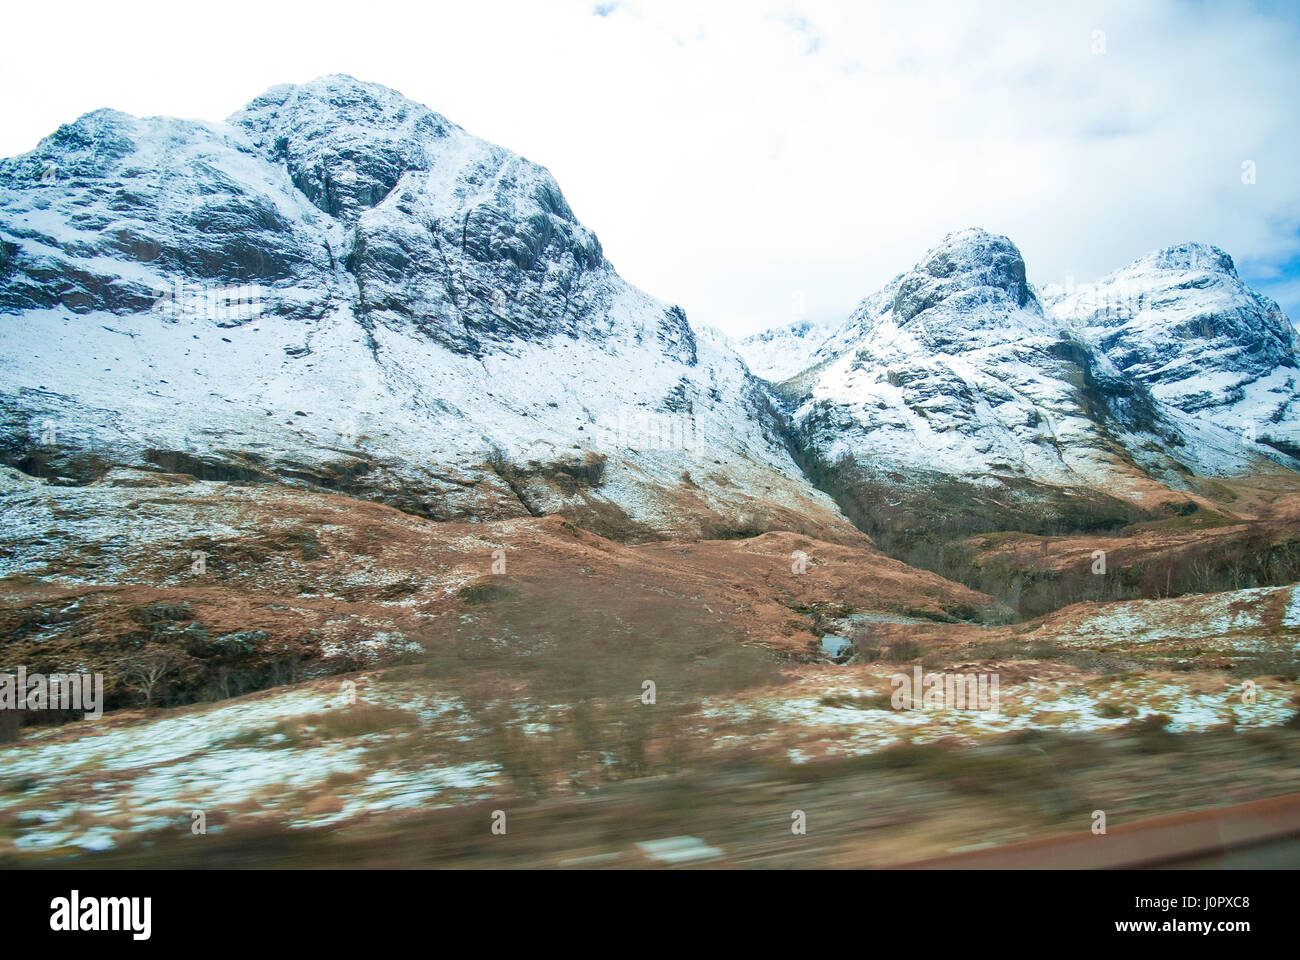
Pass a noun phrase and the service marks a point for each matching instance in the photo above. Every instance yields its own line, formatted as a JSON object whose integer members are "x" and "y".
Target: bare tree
{"x": 147, "y": 672}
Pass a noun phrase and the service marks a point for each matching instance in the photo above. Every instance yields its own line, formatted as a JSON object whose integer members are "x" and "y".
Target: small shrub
{"x": 483, "y": 591}
{"x": 903, "y": 651}
{"x": 871, "y": 702}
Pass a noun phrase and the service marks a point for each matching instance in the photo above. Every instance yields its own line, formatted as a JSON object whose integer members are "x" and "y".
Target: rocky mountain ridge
{"x": 960, "y": 376}
{"x": 340, "y": 289}
{"x": 1183, "y": 323}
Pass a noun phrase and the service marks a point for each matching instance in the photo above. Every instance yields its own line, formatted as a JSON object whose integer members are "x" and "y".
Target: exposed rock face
{"x": 465, "y": 241}
{"x": 341, "y": 289}
{"x": 104, "y": 210}
{"x": 972, "y": 273}
{"x": 1181, "y": 322}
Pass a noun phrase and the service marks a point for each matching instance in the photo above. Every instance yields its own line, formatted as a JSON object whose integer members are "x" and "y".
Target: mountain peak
{"x": 350, "y": 100}
{"x": 1189, "y": 256}
{"x": 1181, "y": 322}
{"x": 345, "y": 142}
{"x": 967, "y": 264}
{"x": 971, "y": 237}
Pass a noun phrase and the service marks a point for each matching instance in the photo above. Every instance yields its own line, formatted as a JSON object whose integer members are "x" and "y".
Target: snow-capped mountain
{"x": 1181, "y": 321}
{"x": 338, "y": 288}
{"x": 342, "y": 289}
{"x": 955, "y": 372}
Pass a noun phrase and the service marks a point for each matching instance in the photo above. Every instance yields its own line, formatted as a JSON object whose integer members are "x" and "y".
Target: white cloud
{"x": 730, "y": 154}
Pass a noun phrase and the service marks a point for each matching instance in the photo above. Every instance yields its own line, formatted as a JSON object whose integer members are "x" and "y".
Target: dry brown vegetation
{"x": 524, "y": 647}
{"x": 1036, "y": 575}
{"x": 302, "y": 584}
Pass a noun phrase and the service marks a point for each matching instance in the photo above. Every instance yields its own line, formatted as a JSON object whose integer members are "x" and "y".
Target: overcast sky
{"x": 742, "y": 159}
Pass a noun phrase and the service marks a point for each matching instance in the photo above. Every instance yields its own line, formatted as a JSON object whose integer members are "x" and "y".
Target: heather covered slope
{"x": 340, "y": 289}
{"x": 532, "y": 704}
{"x": 295, "y": 584}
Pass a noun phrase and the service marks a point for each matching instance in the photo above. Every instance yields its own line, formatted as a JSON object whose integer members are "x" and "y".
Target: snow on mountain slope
{"x": 781, "y": 352}
{"x": 1182, "y": 322}
{"x": 956, "y": 367}
{"x": 340, "y": 288}
{"x": 953, "y": 372}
